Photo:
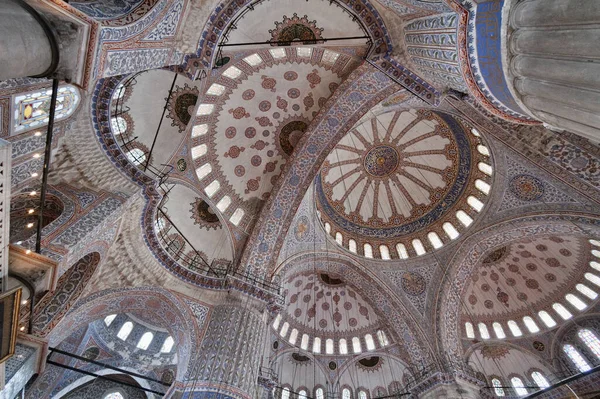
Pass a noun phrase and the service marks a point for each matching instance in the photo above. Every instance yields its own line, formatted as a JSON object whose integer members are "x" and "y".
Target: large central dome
{"x": 393, "y": 178}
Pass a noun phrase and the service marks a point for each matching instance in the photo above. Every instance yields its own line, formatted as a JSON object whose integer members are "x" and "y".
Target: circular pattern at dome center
{"x": 381, "y": 161}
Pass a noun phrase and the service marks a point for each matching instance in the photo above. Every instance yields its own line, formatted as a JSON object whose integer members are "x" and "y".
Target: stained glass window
{"x": 125, "y": 330}
{"x": 114, "y": 395}
{"x": 540, "y": 380}
{"x": 591, "y": 341}
{"x": 576, "y": 358}
{"x": 145, "y": 341}
{"x": 32, "y": 110}
{"x": 517, "y": 384}
{"x": 136, "y": 156}
{"x": 167, "y": 346}
{"x": 498, "y": 387}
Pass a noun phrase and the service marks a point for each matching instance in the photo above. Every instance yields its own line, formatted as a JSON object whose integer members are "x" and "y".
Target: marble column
{"x": 230, "y": 355}
{"x": 28, "y": 45}
{"x": 553, "y": 62}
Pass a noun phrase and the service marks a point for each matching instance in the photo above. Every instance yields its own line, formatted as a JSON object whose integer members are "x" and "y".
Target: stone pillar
{"x": 229, "y": 359}
{"x": 553, "y": 62}
{"x": 28, "y": 46}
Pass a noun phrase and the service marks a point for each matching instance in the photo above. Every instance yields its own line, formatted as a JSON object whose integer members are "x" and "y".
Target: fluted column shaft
{"x": 554, "y": 62}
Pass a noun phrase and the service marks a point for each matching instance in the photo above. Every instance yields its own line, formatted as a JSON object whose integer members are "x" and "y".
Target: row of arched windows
{"x": 144, "y": 341}
{"x": 343, "y": 346}
{"x": 518, "y": 386}
{"x": 589, "y": 340}
{"x": 319, "y": 393}
{"x": 573, "y": 302}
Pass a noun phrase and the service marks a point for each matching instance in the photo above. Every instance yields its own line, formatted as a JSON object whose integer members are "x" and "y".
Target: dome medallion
{"x": 381, "y": 161}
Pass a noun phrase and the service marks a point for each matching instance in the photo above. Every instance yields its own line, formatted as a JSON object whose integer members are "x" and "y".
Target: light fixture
{"x": 33, "y": 193}
{"x": 24, "y": 302}
{"x": 22, "y": 328}
{"x": 28, "y": 252}
{"x": 36, "y": 155}
{"x": 34, "y": 174}
{"x": 38, "y": 134}
{"x": 29, "y": 225}
{"x": 19, "y": 242}
{"x": 30, "y": 211}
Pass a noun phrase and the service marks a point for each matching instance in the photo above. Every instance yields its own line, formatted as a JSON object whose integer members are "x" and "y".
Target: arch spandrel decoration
{"x": 461, "y": 266}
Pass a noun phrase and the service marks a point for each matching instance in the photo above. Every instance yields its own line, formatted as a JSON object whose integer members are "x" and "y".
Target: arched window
{"x": 383, "y": 340}
{"x": 485, "y": 168}
{"x": 475, "y": 203}
{"x": 212, "y": 188}
{"x": 114, "y": 395}
{"x": 575, "y": 301}
{"x": 352, "y": 245}
{"x": 109, "y": 319}
{"x": 593, "y": 278}
{"x": 498, "y": 330}
{"x": 465, "y": 219}
{"x": 450, "y": 230}
{"x": 514, "y": 328}
{"x": 167, "y": 346}
{"x": 562, "y": 311}
{"x": 203, "y": 171}
{"x": 136, "y": 156}
{"x": 339, "y": 238}
{"x": 293, "y": 336}
{"x": 530, "y": 324}
{"x": 483, "y": 331}
{"x": 304, "y": 342}
{"x": 343, "y": 347}
{"x": 469, "y": 330}
{"x": 368, "y": 250}
{"x": 237, "y": 216}
{"x": 385, "y": 252}
{"x": 402, "y": 252}
{"x": 346, "y": 393}
{"x": 125, "y": 330}
{"x": 276, "y": 322}
{"x": 581, "y": 364}
{"x": 329, "y": 346}
{"x": 498, "y": 390}
{"x": 145, "y": 341}
{"x": 362, "y": 394}
{"x": 418, "y": 247}
{"x": 32, "y": 110}
{"x": 482, "y": 186}
{"x": 302, "y": 394}
{"x": 590, "y": 340}
{"x": 483, "y": 150}
{"x": 547, "y": 319}
{"x": 319, "y": 393}
{"x": 284, "y": 329}
{"x": 118, "y": 125}
{"x": 587, "y": 291}
{"x": 285, "y": 393}
{"x": 540, "y": 380}
{"x": 199, "y": 151}
{"x": 356, "y": 345}
{"x": 370, "y": 343}
{"x": 317, "y": 345}
{"x": 435, "y": 240}
{"x": 517, "y": 384}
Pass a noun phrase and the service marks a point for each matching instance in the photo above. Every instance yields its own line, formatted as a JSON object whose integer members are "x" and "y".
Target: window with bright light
{"x": 578, "y": 360}
{"x": 595, "y": 265}
{"x": 514, "y": 328}
{"x": 547, "y": 319}
{"x": 402, "y": 252}
{"x": 475, "y": 203}
{"x": 345, "y": 393}
{"x": 362, "y": 394}
{"x": 485, "y": 168}
{"x": 587, "y": 291}
{"x": 369, "y": 342}
{"x": 224, "y": 203}
{"x": 317, "y": 345}
{"x": 118, "y": 125}
{"x": 385, "y": 252}
{"x": 482, "y": 186}
{"x": 483, "y": 331}
{"x": 319, "y": 393}
{"x": 463, "y": 218}
{"x": 215, "y": 90}
{"x": 167, "y": 346}
{"x": 237, "y": 216}
{"x": 285, "y": 393}
{"x": 475, "y": 132}
{"x": 450, "y": 230}
{"x": 343, "y": 345}
{"x": 434, "y": 239}
{"x": 114, "y": 395}
{"x": 540, "y": 380}
{"x": 418, "y": 246}
{"x": 329, "y": 57}
{"x": 327, "y": 227}
{"x": 483, "y": 150}
{"x": 125, "y": 330}
{"x": 530, "y": 324}
{"x": 232, "y": 72}
{"x": 277, "y": 53}
{"x": 329, "y": 346}
{"x": 136, "y": 156}
{"x": 205, "y": 109}
{"x": 293, "y": 336}
{"x": 575, "y": 301}
{"x": 356, "y": 347}
{"x": 199, "y": 130}
{"x": 339, "y": 239}
{"x": 517, "y": 384}
{"x": 368, "y": 250}
{"x": 253, "y": 60}
{"x": 593, "y": 278}
{"x": 590, "y": 340}
{"x": 199, "y": 151}
{"x": 284, "y": 329}
{"x": 352, "y": 245}
{"x": 469, "y": 330}
{"x": 302, "y": 394}
{"x": 304, "y": 52}
{"x": 203, "y": 171}
{"x": 383, "y": 340}
{"x": 109, "y": 319}
{"x": 498, "y": 330}
{"x": 145, "y": 341}
{"x": 31, "y": 109}
{"x": 304, "y": 342}
{"x": 212, "y": 188}
{"x": 562, "y": 311}
{"x": 498, "y": 390}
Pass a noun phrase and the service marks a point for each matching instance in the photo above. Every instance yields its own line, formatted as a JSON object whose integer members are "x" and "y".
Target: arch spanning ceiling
{"x": 252, "y": 116}
{"x": 399, "y": 177}
{"x": 523, "y": 277}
